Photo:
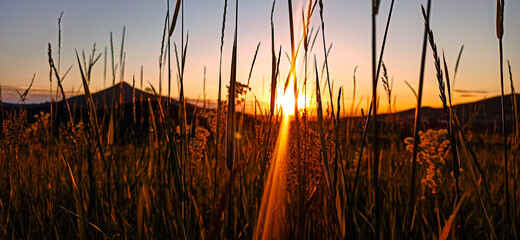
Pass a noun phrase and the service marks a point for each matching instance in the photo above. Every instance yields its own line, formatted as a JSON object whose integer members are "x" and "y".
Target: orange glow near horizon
{"x": 286, "y": 100}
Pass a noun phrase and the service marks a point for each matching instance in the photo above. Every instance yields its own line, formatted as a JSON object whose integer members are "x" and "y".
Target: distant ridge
{"x": 482, "y": 114}
{"x": 122, "y": 93}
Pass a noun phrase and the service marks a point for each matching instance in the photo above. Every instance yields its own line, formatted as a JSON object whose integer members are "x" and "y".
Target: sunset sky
{"x": 26, "y": 26}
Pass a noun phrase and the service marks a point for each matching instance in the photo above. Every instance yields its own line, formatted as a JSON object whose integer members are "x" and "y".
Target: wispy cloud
{"x": 470, "y": 91}
{"x": 36, "y": 95}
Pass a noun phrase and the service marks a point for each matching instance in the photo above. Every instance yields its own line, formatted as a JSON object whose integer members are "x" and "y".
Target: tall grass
{"x": 275, "y": 61}
{"x": 515, "y": 143}
{"x": 457, "y": 66}
{"x": 500, "y": 34}
{"x": 325, "y": 158}
{"x": 219, "y": 106}
{"x": 59, "y": 80}
{"x": 293, "y": 75}
{"x": 453, "y": 144}
{"x": 412, "y": 198}
{"x": 375, "y": 127}
{"x": 447, "y": 106}
{"x": 369, "y": 115}
{"x": 231, "y": 125}
{"x": 168, "y": 48}
{"x": 94, "y": 129}
{"x": 155, "y": 170}
{"x": 2, "y": 104}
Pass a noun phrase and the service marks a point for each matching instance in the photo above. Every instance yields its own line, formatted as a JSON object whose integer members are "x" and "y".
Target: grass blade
{"x": 175, "y": 16}
{"x": 457, "y": 66}
{"x": 412, "y": 197}
{"x": 500, "y": 34}
{"x": 219, "y": 106}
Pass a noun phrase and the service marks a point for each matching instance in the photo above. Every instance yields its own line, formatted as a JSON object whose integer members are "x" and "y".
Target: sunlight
{"x": 272, "y": 209}
{"x": 286, "y": 101}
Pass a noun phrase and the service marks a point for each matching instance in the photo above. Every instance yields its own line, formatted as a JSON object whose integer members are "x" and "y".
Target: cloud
{"x": 470, "y": 91}
{"x": 467, "y": 95}
{"x": 36, "y": 95}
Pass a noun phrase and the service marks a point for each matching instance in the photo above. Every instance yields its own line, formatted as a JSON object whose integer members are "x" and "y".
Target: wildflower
{"x": 197, "y": 144}
{"x": 432, "y": 149}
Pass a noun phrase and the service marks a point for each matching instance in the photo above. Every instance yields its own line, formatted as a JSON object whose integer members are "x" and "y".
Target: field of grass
{"x": 158, "y": 168}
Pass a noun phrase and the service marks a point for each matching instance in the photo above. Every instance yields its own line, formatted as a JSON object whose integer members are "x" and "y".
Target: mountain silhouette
{"x": 122, "y": 93}
{"x": 480, "y": 115}
{"x": 120, "y": 96}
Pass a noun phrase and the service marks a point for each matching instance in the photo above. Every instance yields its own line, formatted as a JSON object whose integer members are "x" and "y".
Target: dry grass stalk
{"x": 169, "y": 58}
{"x": 133, "y": 99}
{"x": 448, "y": 112}
{"x": 274, "y": 75}
{"x": 164, "y": 54}
{"x": 105, "y": 69}
{"x": 231, "y": 118}
{"x": 412, "y": 197}
{"x": 335, "y": 121}
{"x": 87, "y": 222}
{"x": 23, "y": 96}
{"x": 319, "y": 109}
{"x": 241, "y": 124}
{"x": 388, "y": 88}
{"x": 448, "y": 225}
{"x": 467, "y": 149}
{"x": 59, "y": 40}
{"x": 122, "y": 56}
{"x": 411, "y": 89}
{"x": 500, "y": 34}
{"x": 326, "y": 58}
{"x": 219, "y": 105}
{"x": 306, "y": 37}
{"x": 515, "y": 142}
{"x": 50, "y": 73}
{"x": 94, "y": 128}
{"x": 454, "y": 148}
{"x": 58, "y": 80}
{"x": 182, "y": 103}
{"x": 375, "y": 128}
{"x": 368, "y": 117}
{"x": 204, "y": 91}
{"x": 78, "y": 199}
{"x": 2, "y": 104}
{"x": 457, "y": 66}
{"x": 301, "y": 197}
{"x": 231, "y": 124}
{"x": 175, "y": 16}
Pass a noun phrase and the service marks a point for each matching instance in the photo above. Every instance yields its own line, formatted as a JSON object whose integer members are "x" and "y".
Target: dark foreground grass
{"x": 175, "y": 171}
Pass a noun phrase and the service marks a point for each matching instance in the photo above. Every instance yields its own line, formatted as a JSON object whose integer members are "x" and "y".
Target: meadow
{"x": 133, "y": 164}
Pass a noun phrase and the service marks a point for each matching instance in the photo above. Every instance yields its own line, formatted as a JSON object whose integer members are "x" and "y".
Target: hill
{"x": 479, "y": 115}
{"x": 122, "y": 93}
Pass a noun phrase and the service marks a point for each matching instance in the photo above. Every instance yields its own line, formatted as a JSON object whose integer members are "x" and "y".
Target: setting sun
{"x": 286, "y": 100}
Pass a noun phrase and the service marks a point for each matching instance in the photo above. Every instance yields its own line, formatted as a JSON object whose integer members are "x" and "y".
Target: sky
{"x": 27, "y": 26}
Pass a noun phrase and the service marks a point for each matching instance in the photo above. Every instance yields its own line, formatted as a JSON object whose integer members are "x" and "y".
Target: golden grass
{"x": 91, "y": 173}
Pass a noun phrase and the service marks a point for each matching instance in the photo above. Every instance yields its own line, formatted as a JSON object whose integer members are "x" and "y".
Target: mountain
{"x": 479, "y": 115}
{"x": 122, "y": 93}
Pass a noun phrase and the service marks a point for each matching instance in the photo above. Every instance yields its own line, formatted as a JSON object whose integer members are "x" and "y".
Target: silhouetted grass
{"x": 153, "y": 168}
